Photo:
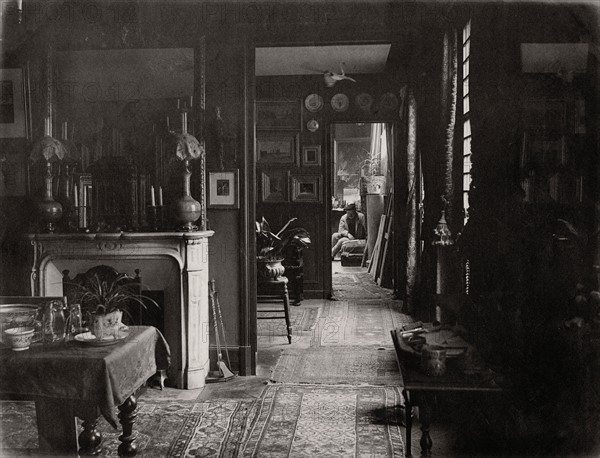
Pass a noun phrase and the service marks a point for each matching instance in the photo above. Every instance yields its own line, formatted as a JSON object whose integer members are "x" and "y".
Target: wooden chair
{"x": 275, "y": 291}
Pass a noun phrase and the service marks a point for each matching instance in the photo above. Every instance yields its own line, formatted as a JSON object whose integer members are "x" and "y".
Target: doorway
{"x": 361, "y": 188}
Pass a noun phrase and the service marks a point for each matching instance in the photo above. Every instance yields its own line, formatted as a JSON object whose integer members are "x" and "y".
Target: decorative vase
{"x": 106, "y": 326}
{"x": 50, "y": 210}
{"x": 269, "y": 269}
{"x": 186, "y": 209}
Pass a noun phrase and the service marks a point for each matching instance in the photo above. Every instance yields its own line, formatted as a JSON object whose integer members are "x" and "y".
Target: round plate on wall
{"x": 340, "y": 102}
{"x": 364, "y": 101}
{"x": 313, "y": 103}
{"x": 312, "y": 125}
{"x": 389, "y": 101}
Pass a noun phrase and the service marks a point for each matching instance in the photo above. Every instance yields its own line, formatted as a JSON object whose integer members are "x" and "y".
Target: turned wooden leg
{"x": 425, "y": 418}
{"x": 408, "y": 420}
{"x": 90, "y": 440}
{"x": 127, "y": 419}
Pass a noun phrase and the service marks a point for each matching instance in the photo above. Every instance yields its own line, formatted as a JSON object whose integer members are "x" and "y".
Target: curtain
{"x": 449, "y": 100}
{"x": 412, "y": 203}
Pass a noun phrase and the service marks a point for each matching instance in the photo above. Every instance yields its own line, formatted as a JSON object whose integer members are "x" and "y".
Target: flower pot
{"x": 269, "y": 269}
{"x": 106, "y": 326}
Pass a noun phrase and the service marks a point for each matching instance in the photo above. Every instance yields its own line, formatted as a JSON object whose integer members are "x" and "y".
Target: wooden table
{"x": 73, "y": 379}
{"x": 420, "y": 389}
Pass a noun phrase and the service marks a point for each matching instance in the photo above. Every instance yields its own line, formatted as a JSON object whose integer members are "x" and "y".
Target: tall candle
{"x": 75, "y": 196}
{"x": 84, "y": 209}
{"x": 152, "y": 200}
{"x": 168, "y": 127}
{"x": 160, "y": 197}
{"x": 191, "y": 101}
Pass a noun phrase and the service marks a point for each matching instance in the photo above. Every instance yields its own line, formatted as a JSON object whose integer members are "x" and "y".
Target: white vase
{"x": 107, "y": 326}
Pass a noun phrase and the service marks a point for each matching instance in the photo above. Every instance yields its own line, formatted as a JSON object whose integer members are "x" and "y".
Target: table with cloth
{"x": 69, "y": 379}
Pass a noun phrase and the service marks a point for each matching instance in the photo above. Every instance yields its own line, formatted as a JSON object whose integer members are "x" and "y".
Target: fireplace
{"x": 174, "y": 263}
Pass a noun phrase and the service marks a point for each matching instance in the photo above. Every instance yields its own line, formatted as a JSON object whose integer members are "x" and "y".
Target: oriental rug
{"x": 339, "y": 365}
{"x": 325, "y": 421}
{"x": 303, "y": 319}
{"x": 359, "y": 285}
{"x": 358, "y": 323}
{"x": 166, "y": 429}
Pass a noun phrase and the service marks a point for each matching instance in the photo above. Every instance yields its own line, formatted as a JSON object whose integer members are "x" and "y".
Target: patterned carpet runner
{"x": 343, "y": 365}
{"x": 325, "y": 421}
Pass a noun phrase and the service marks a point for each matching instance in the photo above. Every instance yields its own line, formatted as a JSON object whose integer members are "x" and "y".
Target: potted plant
{"x": 272, "y": 248}
{"x": 105, "y": 298}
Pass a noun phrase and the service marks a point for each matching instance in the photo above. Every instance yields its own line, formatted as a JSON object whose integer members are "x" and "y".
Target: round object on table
{"x": 19, "y": 339}
{"x": 340, "y": 102}
{"x": 312, "y": 125}
{"x": 313, "y": 103}
{"x": 364, "y": 101}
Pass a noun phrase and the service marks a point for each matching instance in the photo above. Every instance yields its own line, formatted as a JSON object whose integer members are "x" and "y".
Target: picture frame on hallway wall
{"x": 223, "y": 189}
{"x": 306, "y": 188}
{"x": 274, "y": 186}
{"x": 13, "y": 104}
{"x": 279, "y": 114}
{"x": 277, "y": 148}
{"x": 311, "y": 155}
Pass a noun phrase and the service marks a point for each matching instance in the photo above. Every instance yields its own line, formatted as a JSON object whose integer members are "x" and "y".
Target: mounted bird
{"x": 330, "y": 78}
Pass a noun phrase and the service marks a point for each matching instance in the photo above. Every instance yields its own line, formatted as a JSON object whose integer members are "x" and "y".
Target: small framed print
{"x": 12, "y": 104}
{"x": 306, "y": 188}
{"x": 223, "y": 189}
{"x": 311, "y": 155}
{"x": 274, "y": 184}
{"x": 279, "y": 115}
{"x": 277, "y": 148}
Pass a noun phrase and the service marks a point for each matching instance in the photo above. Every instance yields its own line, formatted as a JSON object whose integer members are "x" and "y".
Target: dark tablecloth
{"x": 105, "y": 376}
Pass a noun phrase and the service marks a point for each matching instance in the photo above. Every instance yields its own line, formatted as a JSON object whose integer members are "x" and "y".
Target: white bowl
{"x": 17, "y": 316}
{"x": 19, "y": 339}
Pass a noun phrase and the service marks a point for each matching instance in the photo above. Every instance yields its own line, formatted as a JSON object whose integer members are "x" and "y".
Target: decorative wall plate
{"x": 389, "y": 101}
{"x": 312, "y": 125}
{"x": 364, "y": 101}
{"x": 340, "y": 102}
{"x": 313, "y": 103}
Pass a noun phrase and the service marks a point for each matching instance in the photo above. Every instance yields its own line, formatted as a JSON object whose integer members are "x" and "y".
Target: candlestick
{"x": 160, "y": 196}
{"x": 75, "y": 196}
{"x": 152, "y": 200}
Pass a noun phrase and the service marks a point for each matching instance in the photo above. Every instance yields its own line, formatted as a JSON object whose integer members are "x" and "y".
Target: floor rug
{"x": 176, "y": 429}
{"x": 337, "y": 365}
{"x": 325, "y": 421}
{"x": 303, "y": 319}
{"x": 358, "y": 323}
{"x": 359, "y": 285}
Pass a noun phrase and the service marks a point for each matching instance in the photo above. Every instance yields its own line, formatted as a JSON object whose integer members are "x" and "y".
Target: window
{"x": 466, "y": 113}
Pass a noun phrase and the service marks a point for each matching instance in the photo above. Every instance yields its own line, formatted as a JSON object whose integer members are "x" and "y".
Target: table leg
{"x": 408, "y": 421}
{"x": 90, "y": 439}
{"x": 127, "y": 419}
{"x": 425, "y": 412}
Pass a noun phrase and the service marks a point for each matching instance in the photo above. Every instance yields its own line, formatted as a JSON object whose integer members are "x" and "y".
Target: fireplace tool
{"x": 223, "y": 374}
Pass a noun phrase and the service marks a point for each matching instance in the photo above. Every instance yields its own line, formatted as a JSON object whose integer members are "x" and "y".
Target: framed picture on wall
{"x": 306, "y": 188}
{"x": 274, "y": 185}
{"x": 13, "y": 120}
{"x": 277, "y": 148}
{"x": 311, "y": 155}
{"x": 279, "y": 114}
{"x": 223, "y": 189}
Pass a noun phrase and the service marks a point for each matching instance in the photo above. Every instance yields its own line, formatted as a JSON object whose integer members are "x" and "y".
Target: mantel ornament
{"x": 186, "y": 209}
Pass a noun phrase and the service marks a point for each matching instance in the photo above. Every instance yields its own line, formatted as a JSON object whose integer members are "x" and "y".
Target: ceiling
{"x": 308, "y": 60}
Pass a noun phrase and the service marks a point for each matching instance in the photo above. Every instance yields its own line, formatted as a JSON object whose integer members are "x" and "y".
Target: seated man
{"x": 352, "y": 227}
